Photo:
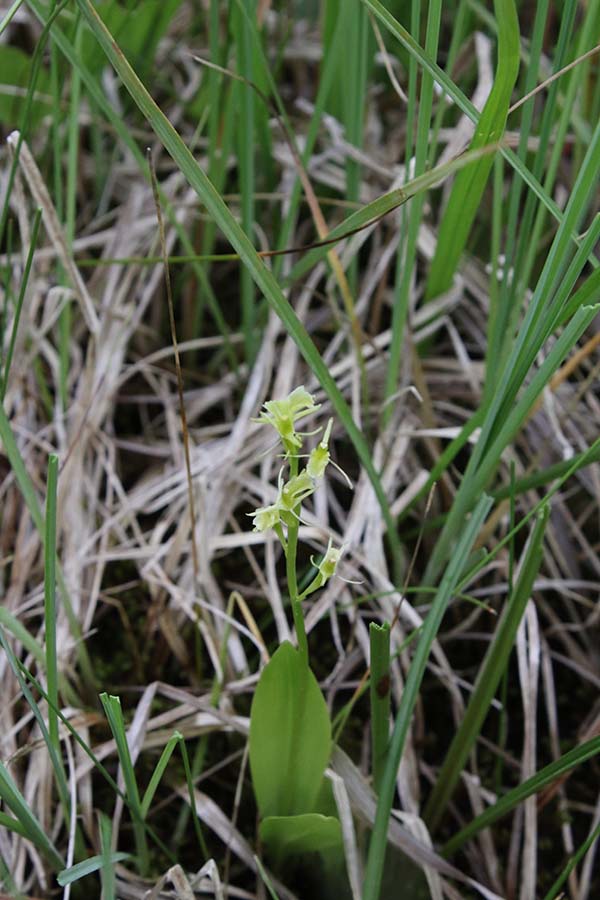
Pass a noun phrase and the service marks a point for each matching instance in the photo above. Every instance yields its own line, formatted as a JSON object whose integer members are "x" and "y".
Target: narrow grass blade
{"x": 544, "y": 476}
{"x": 469, "y": 185}
{"x": 19, "y": 304}
{"x": 488, "y": 678}
{"x": 156, "y": 776}
{"x": 16, "y": 802}
{"x": 50, "y": 598}
{"x": 547, "y": 775}
{"x": 246, "y": 143}
{"x": 190, "y": 786}
{"x": 430, "y": 628}
{"x": 88, "y": 867}
{"x": 29, "y": 495}
{"x": 265, "y": 877}
{"x": 26, "y": 118}
{"x": 114, "y": 714}
{"x": 370, "y": 213}
{"x": 53, "y": 751}
{"x": 18, "y": 630}
{"x": 407, "y": 251}
{"x": 21, "y": 672}
{"x": 462, "y": 102}
{"x": 380, "y": 698}
{"x": 107, "y": 870}
{"x": 241, "y": 242}
{"x": 555, "y": 891}
{"x": 10, "y": 14}
{"x": 12, "y": 824}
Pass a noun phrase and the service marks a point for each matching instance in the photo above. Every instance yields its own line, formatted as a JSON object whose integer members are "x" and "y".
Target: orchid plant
{"x": 284, "y": 515}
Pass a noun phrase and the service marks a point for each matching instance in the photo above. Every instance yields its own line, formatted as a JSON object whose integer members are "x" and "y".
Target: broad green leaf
{"x": 470, "y": 183}
{"x": 15, "y": 70}
{"x": 290, "y": 736}
{"x": 308, "y": 833}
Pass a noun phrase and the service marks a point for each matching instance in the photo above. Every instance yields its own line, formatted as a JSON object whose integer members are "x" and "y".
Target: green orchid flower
{"x": 282, "y": 415}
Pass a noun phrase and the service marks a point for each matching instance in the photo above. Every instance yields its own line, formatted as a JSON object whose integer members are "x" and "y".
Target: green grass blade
{"x": 407, "y": 252}
{"x": 469, "y": 185}
{"x": 374, "y": 870}
{"x": 380, "y": 695}
{"x": 266, "y": 880}
{"x": 465, "y": 105}
{"x": 246, "y": 142}
{"x": 555, "y": 893}
{"x": 50, "y": 598}
{"x": 19, "y": 304}
{"x": 107, "y": 870}
{"x": 544, "y": 476}
{"x": 488, "y": 678}
{"x": 18, "y": 630}
{"x": 52, "y": 750}
{"x": 10, "y": 14}
{"x": 21, "y": 671}
{"x": 16, "y": 802}
{"x": 161, "y": 765}
{"x": 190, "y": 786}
{"x": 13, "y": 824}
{"x": 88, "y": 867}
{"x": 29, "y": 495}
{"x": 114, "y": 714}
{"x": 476, "y": 479}
{"x": 575, "y": 757}
{"x": 376, "y": 209}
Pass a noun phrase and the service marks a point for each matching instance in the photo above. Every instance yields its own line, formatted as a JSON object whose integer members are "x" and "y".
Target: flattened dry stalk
{"x": 38, "y": 188}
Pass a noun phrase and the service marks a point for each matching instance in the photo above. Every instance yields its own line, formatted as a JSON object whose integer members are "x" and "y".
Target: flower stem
{"x": 290, "y": 566}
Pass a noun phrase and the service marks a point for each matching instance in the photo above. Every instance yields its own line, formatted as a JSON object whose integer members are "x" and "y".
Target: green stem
{"x": 380, "y": 698}
{"x": 290, "y": 569}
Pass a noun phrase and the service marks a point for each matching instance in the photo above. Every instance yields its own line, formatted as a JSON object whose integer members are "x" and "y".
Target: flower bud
{"x": 319, "y": 457}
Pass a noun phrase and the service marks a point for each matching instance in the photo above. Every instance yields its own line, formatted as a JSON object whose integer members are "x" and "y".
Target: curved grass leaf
{"x": 463, "y": 103}
{"x": 533, "y": 785}
{"x": 488, "y": 677}
{"x": 430, "y": 629}
{"x": 468, "y": 188}
{"x": 27, "y": 823}
{"x": 88, "y": 867}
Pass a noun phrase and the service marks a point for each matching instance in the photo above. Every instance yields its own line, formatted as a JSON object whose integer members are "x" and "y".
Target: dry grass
{"x": 183, "y": 648}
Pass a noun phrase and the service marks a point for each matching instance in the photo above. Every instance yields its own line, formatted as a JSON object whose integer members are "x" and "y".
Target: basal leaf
{"x": 290, "y": 736}
{"x": 311, "y": 832}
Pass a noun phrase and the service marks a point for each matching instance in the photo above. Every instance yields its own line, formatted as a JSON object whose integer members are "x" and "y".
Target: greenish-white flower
{"x": 282, "y": 415}
{"x": 328, "y": 565}
{"x": 319, "y": 457}
{"x": 290, "y": 496}
{"x": 296, "y": 490}
{"x": 266, "y": 517}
